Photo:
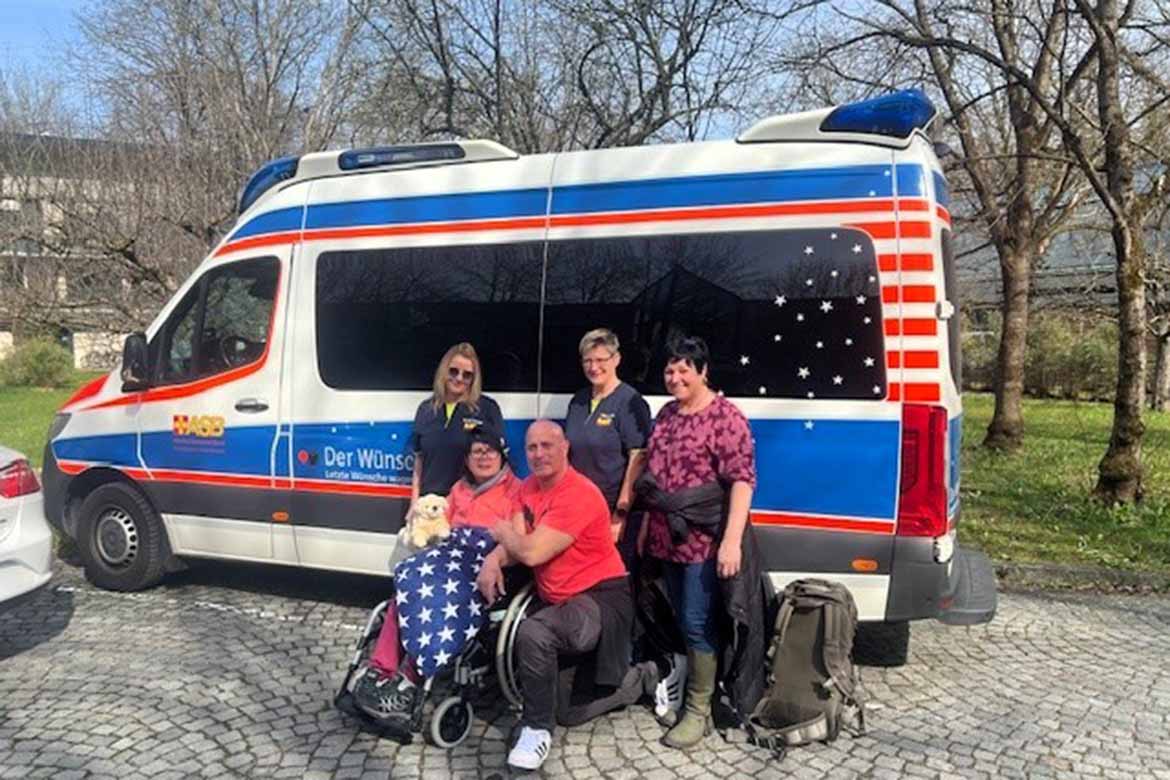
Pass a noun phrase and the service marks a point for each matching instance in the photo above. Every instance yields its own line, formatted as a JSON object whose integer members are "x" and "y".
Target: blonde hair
{"x": 471, "y": 398}
{"x": 599, "y": 337}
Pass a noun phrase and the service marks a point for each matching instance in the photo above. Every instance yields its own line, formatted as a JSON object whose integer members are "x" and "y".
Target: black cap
{"x": 486, "y": 434}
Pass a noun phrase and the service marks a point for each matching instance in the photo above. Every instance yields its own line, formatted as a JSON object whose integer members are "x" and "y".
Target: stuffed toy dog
{"x": 429, "y": 521}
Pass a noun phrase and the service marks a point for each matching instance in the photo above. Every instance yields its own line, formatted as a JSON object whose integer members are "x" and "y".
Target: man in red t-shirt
{"x": 585, "y": 601}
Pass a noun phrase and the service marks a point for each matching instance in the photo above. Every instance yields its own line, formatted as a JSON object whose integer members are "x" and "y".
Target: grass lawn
{"x": 1031, "y": 506}
{"x": 1034, "y": 505}
{"x": 25, "y": 414}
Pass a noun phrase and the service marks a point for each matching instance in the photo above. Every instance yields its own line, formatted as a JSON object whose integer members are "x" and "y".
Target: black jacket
{"x": 744, "y": 618}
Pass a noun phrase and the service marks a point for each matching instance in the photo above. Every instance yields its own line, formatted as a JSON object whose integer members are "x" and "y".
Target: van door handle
{"x": 251, "y": 405}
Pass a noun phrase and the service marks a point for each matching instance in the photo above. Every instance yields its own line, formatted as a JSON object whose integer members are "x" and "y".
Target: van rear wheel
{"x": 882, "y": 644}
{"x": 121, "y": 539}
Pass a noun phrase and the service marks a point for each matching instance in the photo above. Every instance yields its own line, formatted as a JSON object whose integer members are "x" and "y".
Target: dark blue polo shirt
{"x": 443, "y": 442}
{"x": 600, "y": 441}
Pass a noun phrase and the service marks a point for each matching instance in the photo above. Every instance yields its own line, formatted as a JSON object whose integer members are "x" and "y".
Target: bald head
{"x": 547, "y": 450}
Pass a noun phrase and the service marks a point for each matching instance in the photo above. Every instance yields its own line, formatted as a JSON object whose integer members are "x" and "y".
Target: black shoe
{"x": 383, "y": 697}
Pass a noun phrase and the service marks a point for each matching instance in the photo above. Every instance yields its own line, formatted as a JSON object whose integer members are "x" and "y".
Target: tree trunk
{"x": 1120, "y": 471}
{"x": 1006, "y": 431}
{"x": 1162, "y": 373}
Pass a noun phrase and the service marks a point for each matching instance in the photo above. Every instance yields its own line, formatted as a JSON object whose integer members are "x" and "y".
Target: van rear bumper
{"x": 961, "y": 593}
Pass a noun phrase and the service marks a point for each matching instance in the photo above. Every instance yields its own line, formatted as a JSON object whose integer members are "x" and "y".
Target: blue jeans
{"x": 694, "y": 591}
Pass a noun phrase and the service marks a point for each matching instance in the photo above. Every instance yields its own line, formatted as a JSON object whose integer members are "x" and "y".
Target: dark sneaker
{"x": 382, "y": 696}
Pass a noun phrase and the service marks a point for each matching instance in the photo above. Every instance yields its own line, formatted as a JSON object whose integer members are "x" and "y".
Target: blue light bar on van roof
{"x": 264, "y": 179}
{"x": 897, "y": 115}
{"x": 395, "y": 155}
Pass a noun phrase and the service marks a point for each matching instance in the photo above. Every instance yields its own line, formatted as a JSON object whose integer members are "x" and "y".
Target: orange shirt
{"x": 573, "y": 506}
{"x": 499, "y": 502}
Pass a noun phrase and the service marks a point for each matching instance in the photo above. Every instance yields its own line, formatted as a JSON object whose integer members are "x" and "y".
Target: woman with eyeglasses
{"x": 443, "y": 422}
{"x": 607, "y": 426}
{"x": 439, "y": 579}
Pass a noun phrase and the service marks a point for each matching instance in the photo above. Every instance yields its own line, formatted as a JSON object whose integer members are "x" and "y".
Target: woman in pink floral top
{"x": 698, "y": 439}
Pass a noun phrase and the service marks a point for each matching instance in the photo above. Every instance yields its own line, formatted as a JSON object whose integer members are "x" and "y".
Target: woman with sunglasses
{"x": 443, "y": 422}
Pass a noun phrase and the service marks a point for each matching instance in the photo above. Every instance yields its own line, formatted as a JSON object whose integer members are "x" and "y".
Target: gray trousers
{"x": 550, "y": 649}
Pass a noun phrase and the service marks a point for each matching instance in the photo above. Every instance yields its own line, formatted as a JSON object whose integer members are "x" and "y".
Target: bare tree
{"x": 542, "y": 76}
{"x": 1016, "y": 185}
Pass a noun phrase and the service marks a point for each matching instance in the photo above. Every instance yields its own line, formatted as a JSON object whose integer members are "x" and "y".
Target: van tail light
{"x": 923, "y": 507}
{"x": 18, "y": 479}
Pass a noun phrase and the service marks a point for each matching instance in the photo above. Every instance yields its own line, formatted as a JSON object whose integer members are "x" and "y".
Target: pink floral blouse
{"x": 687, "y": 450}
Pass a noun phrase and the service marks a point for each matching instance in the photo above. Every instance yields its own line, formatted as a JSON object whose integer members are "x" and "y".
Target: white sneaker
{"x": 668, "y": 694}
{"x": 531, "y": 749}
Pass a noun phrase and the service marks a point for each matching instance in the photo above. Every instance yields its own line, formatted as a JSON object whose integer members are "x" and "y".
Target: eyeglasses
{"x": 589, "y": 362}
{"x": 456, "y": 373}
{"x": 482, "y": 452}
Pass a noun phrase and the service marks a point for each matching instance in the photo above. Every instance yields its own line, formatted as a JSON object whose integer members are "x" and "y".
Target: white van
{"x": 264, "y": 415}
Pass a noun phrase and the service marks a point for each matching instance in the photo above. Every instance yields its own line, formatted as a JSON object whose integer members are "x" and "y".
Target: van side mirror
{"x": 135, "y": 363}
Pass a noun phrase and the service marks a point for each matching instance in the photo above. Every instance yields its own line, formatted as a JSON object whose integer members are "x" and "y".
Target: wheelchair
{"x": 486, "y": 661}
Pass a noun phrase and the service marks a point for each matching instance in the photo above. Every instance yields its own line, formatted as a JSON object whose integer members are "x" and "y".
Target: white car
{"x": 26, "y": 543}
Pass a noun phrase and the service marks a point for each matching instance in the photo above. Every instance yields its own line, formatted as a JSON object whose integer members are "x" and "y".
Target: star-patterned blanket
{"x": 439, "y": 608}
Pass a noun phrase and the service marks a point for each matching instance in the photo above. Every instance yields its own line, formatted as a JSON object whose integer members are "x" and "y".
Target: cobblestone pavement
{"x": 229, "y": 670}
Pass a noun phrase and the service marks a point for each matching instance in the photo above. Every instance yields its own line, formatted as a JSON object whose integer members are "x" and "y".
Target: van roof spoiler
{"x": 888, "y": 120}
{"x": 336, "y": 161}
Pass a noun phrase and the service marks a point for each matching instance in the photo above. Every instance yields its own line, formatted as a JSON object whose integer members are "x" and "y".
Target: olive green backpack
{"x": 812, "y": 689}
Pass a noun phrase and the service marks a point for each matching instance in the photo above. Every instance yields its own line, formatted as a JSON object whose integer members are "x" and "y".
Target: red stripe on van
{"x": 911, "y": 327}
{"x": 909, "y": 262}
{"x": 922, "y": 391}
{"x": 352, "y": 488}
{"x": 910, "y": 293}
{"x": 849, "y": 524}
{"x": 576, "y": 220}
{"x": 920, "y": 359}
{"x": 521, "y": 223}
{"x": 254, "y": 242}
{"x": 905, "y": 229}
{"x": 88, "y": 390}
{"x": 943, "y": 214}
{"x": 895, "y": 392}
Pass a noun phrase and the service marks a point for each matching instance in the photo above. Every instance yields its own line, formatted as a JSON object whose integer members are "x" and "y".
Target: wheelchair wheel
{"x": 505, "y": 642}
{"x": 451, "y": 722}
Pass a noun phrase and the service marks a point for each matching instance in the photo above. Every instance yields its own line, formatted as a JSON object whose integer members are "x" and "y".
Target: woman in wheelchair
{"x": 437, "y": 609}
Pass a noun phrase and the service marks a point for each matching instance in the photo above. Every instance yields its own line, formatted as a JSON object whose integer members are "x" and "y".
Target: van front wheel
{"x": 121, "y": 539}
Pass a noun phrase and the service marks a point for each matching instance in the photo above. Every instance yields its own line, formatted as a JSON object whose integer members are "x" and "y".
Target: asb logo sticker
{"x": 204, "y": 426}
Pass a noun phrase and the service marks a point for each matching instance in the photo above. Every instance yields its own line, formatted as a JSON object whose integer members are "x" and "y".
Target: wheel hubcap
{"x": 117, "y": 537}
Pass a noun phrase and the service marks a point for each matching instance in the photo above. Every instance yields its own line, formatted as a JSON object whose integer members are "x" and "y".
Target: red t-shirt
{"x": 573, "y": 506}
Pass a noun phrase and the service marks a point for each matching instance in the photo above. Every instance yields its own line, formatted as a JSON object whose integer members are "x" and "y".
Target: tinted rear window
{"x": 787, "y": 314}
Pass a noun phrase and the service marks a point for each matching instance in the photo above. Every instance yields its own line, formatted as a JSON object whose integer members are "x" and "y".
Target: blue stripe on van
{"x": 279, "y": 221}
{"x": 854, "y": 181}
{"x": 429, "y": 208}
{"x": 119, "y": 449}
{"x": 840, "y": 467}
{"x": 241, "y": 450}
{"x": 942, "y": 192}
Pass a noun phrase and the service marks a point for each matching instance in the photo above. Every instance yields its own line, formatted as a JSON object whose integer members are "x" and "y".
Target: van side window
{"x": 787, "y": 314}
{"x": 386, "y": 316}
{"x": 222, "y": 323}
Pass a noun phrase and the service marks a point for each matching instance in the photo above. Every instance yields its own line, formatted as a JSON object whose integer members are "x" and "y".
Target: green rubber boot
{"x": 696, "y": 719}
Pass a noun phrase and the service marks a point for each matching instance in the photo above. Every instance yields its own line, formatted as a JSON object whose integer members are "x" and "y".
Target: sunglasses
{"x": 455, "y": 373}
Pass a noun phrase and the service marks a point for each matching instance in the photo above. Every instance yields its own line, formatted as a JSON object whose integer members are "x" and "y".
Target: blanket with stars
{"x": 439, "y": 608}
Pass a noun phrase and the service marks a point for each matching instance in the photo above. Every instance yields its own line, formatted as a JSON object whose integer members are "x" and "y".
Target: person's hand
{"x": 640, "y": 546}
{"x": 490, "y": 581}
{"x": 730, "y": 558}
{"x": 617, "y": 528}
{"x": 500, "y": 530}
